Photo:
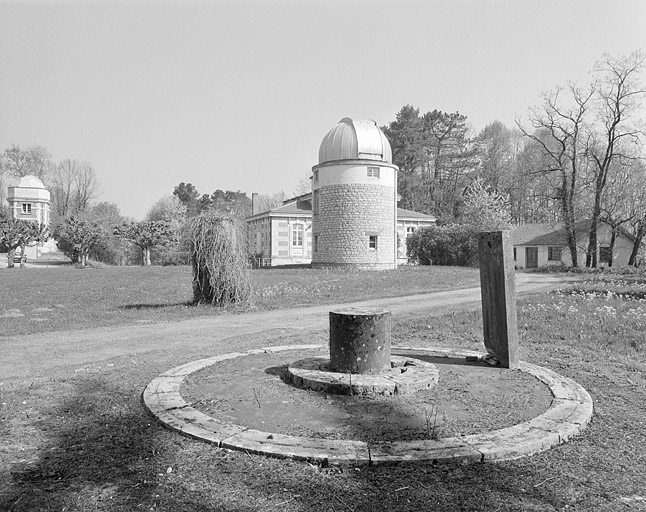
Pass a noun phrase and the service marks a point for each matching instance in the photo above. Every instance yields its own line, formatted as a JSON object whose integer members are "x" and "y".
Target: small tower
{"x": 354, "y": 199}
{"x": 30, "y": 200}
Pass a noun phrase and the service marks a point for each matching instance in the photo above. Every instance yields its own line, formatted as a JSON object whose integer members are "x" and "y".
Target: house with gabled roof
{"x": 545, "y": 244}
{"x": 283, "y": 235}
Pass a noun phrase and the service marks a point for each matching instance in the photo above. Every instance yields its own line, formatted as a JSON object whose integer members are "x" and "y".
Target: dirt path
{"x": 35, "y": 355}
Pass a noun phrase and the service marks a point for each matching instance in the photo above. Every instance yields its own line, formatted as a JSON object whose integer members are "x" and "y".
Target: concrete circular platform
{"x": 404, "y": 377}
{"x": 569, "y": 412}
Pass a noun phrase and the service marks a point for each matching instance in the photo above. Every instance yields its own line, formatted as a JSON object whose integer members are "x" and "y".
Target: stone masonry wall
{"x": 348, "y": 215}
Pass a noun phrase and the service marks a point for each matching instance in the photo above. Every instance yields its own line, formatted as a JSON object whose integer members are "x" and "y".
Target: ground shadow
{"x": 157, "y": 306}
{"x": 100, "y": 451}
{"x": 447, "y": 361}
{"x": 279, "y": 371}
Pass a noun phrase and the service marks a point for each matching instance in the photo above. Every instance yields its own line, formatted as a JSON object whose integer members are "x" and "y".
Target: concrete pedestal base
{"x": 406, "y": 376}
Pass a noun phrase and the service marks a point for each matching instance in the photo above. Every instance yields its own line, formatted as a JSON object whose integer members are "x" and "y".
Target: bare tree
{"x": 560, "y": 134}
{"x": 35, "y": 161}
{"x": 73, "y": 187}
{"x": 618, "y": 91}
{"x": 269, "y": 201}
{"x": 304, "y": 185}
{"x": 624, "y": 204}
{"x": 16, "y": 163}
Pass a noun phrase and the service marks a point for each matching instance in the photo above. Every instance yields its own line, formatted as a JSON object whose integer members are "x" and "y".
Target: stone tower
{"x": 354, "y": 199}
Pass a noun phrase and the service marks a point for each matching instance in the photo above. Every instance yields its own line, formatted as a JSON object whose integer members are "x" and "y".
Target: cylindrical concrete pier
{"x": 360, "y": 340}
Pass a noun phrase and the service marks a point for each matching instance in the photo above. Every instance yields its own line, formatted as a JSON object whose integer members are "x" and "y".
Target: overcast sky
{"x": 238, "y": 95}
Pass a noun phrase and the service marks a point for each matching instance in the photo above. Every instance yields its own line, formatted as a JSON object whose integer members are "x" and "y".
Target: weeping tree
{"x": 219, "y": 259}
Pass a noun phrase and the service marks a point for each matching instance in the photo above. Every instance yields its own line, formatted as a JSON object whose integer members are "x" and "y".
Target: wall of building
{"x": 621, "y": 253}
{"x": 284, "y": 249}
{"x": 273, "y": 242}
{"x": 354, "y": 215}
{"x": 36, "y": 199}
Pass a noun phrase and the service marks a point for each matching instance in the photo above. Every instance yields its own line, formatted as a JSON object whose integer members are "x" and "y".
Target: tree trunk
{"x": 23, "y": 256}
{"x": 568, "y": 219}
{"x": 566, "y": 191}
{"x": 636, "y": 245}
{"x": 145, "y": 256}
{"x": 613, "y": 239}
{"x": 10, "y": 256}
{"x": 591, "y": 253}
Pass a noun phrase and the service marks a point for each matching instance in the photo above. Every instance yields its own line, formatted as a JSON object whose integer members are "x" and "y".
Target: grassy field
{"x": 63, "y": 297}
{"x": 81, "y": 441}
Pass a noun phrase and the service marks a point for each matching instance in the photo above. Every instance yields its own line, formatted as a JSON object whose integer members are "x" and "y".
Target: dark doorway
{"x": 531, "y": 257}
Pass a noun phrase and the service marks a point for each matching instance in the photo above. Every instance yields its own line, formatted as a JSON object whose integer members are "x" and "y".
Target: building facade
{"x": 544, "y": 245}
{"x": 283, "y": 235}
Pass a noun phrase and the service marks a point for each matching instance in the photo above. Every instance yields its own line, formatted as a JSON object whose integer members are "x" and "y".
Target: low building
{"x": 283, "y": 235}
{"x": 541, "y": 245}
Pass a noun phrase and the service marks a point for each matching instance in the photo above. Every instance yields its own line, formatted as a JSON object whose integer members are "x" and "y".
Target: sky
{"x": 237, "y": 95}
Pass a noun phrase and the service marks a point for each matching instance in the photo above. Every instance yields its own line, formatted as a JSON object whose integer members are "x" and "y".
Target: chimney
{"x": 254, "y": 203}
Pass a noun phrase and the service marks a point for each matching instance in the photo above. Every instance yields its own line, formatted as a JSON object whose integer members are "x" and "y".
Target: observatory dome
{"x": 30, "y": 181}
{"x": 355, "y": 139}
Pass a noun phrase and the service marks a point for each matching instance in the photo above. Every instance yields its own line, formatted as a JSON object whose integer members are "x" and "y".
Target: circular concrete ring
{"x": 405, "y": 377}
{"x": 568, "y": 414}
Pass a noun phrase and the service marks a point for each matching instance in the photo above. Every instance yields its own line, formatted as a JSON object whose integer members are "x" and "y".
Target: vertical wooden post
{"x": 498, "y": 297}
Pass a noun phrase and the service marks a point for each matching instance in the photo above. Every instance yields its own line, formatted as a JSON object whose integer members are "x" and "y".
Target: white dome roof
{"x": 30, "y": 181}
{"x": 355, "y": 139}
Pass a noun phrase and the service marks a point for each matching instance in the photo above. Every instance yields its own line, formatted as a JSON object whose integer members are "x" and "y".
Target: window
{"x": 373, "y": 172}
{"x": 372, "y": 242}
{"x": 297, "y": 235}
{"x": 514, "y": 254}
{"x": 26, "y": 208}
{"x": 410, "y": 230}
{"x": 554, "y": 253}
{"x": 604, "y": 254}
{"x": 316, "y": 243}
{"x": 316, "y": 176}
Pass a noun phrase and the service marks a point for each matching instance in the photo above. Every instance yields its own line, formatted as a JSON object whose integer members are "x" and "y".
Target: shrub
{"x": 454, "y": 245}
{"x": 219, "y": 260}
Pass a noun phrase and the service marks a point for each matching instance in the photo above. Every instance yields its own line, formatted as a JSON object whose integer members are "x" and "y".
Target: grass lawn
{"x": 79, "y": 441}
{"x": 49, "y": 299}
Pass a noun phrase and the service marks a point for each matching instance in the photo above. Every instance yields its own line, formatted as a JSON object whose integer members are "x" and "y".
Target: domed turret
{"x": 353, "y": 140}
{"x": 354, "y": 198}
{"x": 30, "y": 181}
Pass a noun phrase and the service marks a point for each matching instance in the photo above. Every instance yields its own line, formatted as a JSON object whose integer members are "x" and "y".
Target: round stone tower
{"x": 354, "y": 199}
